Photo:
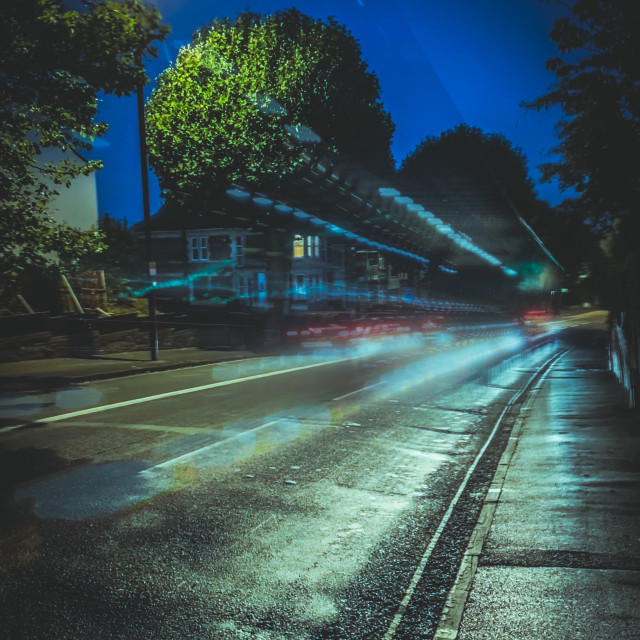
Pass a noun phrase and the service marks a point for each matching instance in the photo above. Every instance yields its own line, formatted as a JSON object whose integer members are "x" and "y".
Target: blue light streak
{"x": 411, "y": 207}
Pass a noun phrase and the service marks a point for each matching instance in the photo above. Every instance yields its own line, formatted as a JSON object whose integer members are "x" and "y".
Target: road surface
{"x": 309, "y": 496}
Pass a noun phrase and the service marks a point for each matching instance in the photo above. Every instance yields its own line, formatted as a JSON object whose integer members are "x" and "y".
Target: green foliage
{"x": 482, "y": 158}
{"x": 54, "y": 63}
{"x": 598, "y": 88}
{"x": 124, "y": 246}
{"x": 123, "y": 258}
{"x": 574, "y": 242}
{"x": 123, "y": 251}
{"x": 220, "y": 113}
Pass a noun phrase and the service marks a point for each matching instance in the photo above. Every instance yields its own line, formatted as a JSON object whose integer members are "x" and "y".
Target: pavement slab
{"x": 561, "y": 557}
{"x": 555, "y": 603}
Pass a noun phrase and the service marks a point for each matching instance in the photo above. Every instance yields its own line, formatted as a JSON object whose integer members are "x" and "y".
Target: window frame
{"x": 298, "y": 246}
{"x": 199, "y": 249}
{"x": 239, "y": 249}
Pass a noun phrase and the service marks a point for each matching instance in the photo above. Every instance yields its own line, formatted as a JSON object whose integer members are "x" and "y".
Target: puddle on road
{"x": 78, "y": 398}
{"x": 103, "y": 489}
{"x": 20, "y": 406}
{"x": 107, "y": 488}
{"x": 92, "y": 491}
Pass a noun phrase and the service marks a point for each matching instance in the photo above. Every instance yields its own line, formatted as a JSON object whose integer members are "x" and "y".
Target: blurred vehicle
{"x": 536, "y": 316}
{"x": 331, "y": 330}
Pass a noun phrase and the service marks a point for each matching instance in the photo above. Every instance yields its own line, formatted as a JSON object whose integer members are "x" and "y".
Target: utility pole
{"x": 151, "y": 268}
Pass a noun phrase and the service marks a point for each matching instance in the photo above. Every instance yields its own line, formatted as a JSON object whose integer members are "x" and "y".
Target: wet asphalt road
{"x": 285, "y": 506}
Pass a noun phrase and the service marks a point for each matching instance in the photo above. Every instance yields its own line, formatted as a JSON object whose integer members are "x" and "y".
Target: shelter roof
{"x": 449, "y": 220}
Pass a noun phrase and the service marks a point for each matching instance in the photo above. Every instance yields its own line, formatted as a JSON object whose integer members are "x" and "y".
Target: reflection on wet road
{"x": 174, "y": 432}
{"x": 294, "y": 505}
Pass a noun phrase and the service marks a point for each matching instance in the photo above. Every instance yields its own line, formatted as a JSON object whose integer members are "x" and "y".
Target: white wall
{"x": 77, "y": 205}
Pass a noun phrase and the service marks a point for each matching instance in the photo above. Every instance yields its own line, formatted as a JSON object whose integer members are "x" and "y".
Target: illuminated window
{"x": 200, "y": 249}
{"x": 298, "y": 247}
{"x": 312, "y": 246}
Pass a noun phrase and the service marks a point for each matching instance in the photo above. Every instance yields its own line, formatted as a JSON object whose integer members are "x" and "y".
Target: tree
{"x": 484, "y": 159}
{"x": 598, "y": 88}
{"x": 54, "y": 63}
{"x": 242, "y": 95}
{"x": 123, "y": 258}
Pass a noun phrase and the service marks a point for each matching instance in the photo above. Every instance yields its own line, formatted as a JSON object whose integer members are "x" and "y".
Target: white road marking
{"x": 15, "y": 426}
{"x": 186, "y": 456}
{"x": 170, "y": 394}
{"x": 449, "y": 623}
{"x": 346, "y": 395}
{"x": 143, "y": 427}
{"x": 447, "y": 515}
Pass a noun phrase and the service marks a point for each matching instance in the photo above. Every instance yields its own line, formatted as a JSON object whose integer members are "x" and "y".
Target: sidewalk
{"x": 47, "y": 373}
{"x": 556, "y": 555}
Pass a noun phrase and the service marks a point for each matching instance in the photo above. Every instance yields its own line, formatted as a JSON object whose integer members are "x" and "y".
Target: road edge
{"x": 456, "y": 602}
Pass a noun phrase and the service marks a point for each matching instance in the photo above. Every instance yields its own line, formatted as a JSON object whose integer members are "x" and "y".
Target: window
{"x": 221, "y": 247}
{"x": 312, "y": 246}
{"x": 239, "y": 251}
{"x": 242, "y": 286}
{"x": 200, "y": 249}
{"x": 306, "y": 246}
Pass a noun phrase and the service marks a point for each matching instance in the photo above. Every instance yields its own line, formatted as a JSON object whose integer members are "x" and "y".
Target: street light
{"x": 153, "y": 326}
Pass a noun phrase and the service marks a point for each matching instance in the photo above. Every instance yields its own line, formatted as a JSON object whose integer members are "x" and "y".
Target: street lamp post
{"x": 153, "y": 326}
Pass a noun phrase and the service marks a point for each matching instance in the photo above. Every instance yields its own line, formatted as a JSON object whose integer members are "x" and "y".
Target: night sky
{"x": 439, "y": 63}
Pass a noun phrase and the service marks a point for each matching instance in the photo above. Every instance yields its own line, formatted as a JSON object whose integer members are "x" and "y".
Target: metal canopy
{"x": 450, "y": 221}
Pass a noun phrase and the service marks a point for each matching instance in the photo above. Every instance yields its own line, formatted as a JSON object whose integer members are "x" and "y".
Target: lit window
{"x": 312, "y": 246}
{"x": 298, "y": 247}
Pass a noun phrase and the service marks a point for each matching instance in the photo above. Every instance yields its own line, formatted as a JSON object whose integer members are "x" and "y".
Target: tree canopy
{"x": 243, "y": 95}
{"x": 481, "y": 157}
{"x": 55, "y": 61}
{"x": 598, "y": 88}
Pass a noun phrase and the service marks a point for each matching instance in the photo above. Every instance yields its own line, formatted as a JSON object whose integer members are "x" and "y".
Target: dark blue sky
{"x": 439, "y": 62}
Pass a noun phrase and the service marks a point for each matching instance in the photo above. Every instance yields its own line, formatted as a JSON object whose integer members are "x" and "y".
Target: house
{"x": 235, "y": 253}
{"x": 218, "y": 258}
{"x": 337, "y": 236}
{"x": 77, "y": 205}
